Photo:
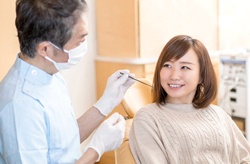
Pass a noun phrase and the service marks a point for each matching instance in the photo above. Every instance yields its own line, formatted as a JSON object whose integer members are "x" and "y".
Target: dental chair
{"x": 137, "y": 96}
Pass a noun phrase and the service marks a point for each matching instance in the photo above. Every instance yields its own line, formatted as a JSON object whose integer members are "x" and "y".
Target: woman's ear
{"x": 44, "y": 48}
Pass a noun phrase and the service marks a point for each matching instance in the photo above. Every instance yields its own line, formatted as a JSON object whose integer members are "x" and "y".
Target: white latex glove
{"x": 109, "y": 135}
{"x": 114, "y": 92}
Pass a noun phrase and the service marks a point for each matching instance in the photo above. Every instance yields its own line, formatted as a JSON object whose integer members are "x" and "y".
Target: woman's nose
{"x": 174, "y": 74}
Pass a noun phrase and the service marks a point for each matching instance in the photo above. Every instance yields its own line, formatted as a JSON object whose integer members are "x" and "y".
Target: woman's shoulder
{"x": 148, "y": 110}
{"x": 220, "y": 112}
{"x": 217, "y": 108}
{"x": 149, "y": 107}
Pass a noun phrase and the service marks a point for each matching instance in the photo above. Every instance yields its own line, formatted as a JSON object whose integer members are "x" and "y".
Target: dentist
{"x": 37, "y": 122}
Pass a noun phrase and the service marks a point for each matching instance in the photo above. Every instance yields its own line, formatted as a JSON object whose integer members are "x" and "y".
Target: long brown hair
{"x": 174, "y": 50}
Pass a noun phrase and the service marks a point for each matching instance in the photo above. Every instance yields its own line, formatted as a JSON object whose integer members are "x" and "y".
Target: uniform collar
{"x": 32, "y": 73}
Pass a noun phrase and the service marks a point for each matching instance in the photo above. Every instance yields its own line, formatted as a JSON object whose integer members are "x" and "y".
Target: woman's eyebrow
{"x": 186, "y": 62}
{"x": 182, "y": 62}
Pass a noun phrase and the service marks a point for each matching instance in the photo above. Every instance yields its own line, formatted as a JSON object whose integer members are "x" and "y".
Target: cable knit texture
{"x": 181, "y": 134}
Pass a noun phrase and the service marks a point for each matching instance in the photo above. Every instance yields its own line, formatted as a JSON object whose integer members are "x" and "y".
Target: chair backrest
{"x": 137, "y": 96}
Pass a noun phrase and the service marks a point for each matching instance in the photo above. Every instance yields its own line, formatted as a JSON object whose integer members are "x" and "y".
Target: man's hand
{"x": 115, "y": 90}
{"x": 109, "y": 135}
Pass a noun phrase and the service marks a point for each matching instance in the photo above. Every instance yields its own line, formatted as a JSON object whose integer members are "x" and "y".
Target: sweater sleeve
{"x": 242, "y": 144}
{"x": 145, "y": 142}
{"x": 242, "y": 149}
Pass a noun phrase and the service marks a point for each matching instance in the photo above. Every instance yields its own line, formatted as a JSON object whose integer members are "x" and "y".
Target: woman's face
{"x": 180, "y": 78}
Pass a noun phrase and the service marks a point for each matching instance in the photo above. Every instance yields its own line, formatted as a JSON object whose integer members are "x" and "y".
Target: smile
{"x": 175, "y": 85}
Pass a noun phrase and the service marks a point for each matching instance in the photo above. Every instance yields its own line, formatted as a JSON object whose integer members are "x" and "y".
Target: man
{"x": 37, "y": 123}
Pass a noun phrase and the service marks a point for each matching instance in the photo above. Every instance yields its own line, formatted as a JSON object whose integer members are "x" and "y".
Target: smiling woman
{"x": 179, "y": 78}
{"x": 182, "y": 126}
{"x": 185, "y": 62}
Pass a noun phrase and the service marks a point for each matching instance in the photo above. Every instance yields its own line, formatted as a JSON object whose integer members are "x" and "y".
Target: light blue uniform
{"x": 37, "y": 123}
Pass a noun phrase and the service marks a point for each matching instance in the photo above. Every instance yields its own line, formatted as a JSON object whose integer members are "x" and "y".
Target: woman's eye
{"x": 166, "y": 65}
{"x": 185, "y": 67}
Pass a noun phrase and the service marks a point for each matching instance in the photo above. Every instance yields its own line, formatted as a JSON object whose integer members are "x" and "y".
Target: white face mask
{"x": 75, "y": 56}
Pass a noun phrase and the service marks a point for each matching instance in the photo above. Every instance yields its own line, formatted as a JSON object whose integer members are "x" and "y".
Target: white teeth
{"x": 175, "y": 85}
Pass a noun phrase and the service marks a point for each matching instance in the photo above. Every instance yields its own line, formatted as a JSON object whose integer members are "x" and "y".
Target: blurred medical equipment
{"x": 234, "y": 87}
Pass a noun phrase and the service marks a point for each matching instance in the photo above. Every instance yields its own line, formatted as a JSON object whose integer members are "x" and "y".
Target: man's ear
{"x": 44, "y": 48}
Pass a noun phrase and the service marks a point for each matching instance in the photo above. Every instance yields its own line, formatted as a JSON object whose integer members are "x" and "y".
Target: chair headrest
{"x": 137, "y": 96}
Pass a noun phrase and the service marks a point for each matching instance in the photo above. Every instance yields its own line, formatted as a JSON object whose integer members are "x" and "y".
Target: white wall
{"x": 234, "y": 24}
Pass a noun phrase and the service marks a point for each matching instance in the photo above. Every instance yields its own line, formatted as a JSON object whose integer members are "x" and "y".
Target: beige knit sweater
{"x": 181, "y": 134}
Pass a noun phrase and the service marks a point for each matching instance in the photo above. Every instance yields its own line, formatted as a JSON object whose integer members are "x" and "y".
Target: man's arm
{"x": 110, "y": 133}
{"x": 88, "y": 122}
{"x": 89, "y": 157}
{"x": 116, "y": 87}
{"x": 107, "y": 137}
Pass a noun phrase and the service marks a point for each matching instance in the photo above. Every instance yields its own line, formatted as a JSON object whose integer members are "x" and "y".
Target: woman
{"x": 182, "y": 126}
